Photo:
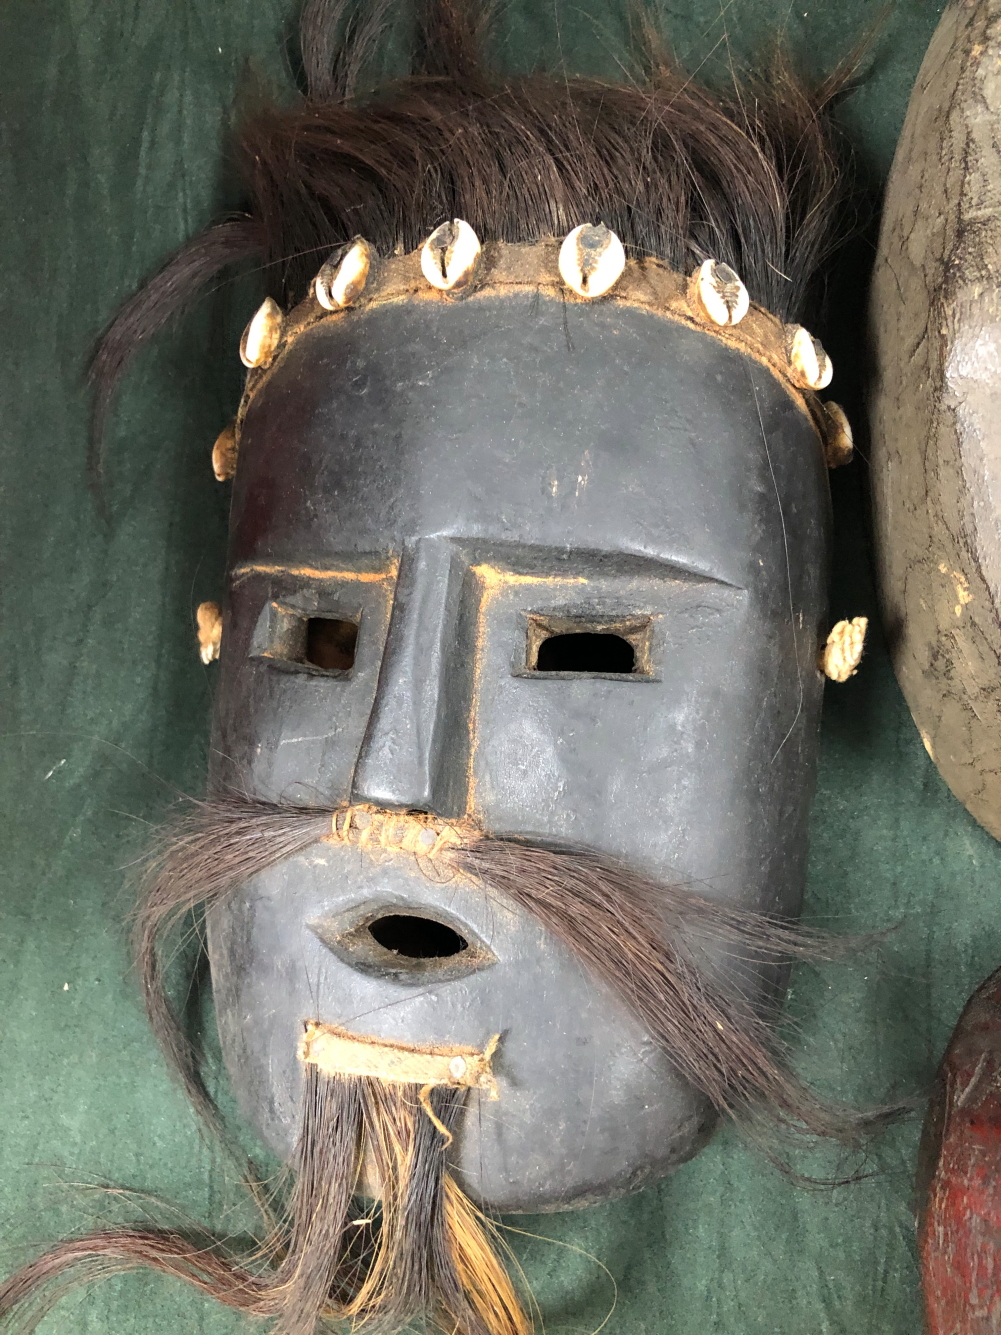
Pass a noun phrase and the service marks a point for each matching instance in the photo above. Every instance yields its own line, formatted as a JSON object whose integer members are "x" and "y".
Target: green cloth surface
{"x": 114, "y": 136}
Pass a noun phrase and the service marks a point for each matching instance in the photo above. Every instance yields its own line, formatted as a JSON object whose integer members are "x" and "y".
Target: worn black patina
{"x": 463, "y": 482}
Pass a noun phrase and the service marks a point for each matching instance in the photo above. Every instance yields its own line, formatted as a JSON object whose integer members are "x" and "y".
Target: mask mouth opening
{"x": 404, "y": 944}
{"x": 417, "y": 938}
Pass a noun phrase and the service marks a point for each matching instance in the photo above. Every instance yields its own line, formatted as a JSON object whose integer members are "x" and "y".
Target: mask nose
{"x": 415, "y": 749}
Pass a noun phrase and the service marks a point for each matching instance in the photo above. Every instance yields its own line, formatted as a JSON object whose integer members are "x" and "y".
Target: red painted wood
{"x": 959, "y": 1179}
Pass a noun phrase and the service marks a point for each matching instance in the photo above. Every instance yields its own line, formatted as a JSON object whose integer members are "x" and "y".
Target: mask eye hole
{"x": 565, "y": 645}
{"x": 586, "y": 651}
{"x": 293, "y": 641}
{"x": 331, "y": 644}
{"x": 417, "y": 938}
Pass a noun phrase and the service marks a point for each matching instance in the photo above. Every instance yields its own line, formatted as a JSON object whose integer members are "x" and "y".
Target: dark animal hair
{"x": 426, "y": 1251}
{"x": 196, "y": 862}
{"x": 649, "y": 943}
{"x": 423, "y": 1251}
{"x": 748, "y": 176}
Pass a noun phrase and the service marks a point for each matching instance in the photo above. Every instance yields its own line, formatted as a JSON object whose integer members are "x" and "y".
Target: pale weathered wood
{"x": 936, "y": 405}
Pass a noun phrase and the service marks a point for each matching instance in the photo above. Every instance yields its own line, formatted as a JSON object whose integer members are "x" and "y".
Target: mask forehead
{"x": 522, "y": 420}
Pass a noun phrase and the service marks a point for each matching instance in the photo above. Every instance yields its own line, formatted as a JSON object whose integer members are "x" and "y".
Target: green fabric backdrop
{"x": 114, "y": 133}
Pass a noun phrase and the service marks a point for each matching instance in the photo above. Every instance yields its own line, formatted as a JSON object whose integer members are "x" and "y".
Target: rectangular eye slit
{"x": 330, "y": 644}
{"x": 295, "y": 641}
{"x": 586, "y": 651}
{"x": 587, "y": 646}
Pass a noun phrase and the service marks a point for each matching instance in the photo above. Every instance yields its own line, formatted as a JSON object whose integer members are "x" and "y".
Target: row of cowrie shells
{"x": 591, "y": 262}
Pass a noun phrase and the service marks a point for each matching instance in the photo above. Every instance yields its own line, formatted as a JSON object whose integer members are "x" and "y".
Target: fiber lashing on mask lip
{"x": 421, "y": 834}
{"x": 337, "y": 1051}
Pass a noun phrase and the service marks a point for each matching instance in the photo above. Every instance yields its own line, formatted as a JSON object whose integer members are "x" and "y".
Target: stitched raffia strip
{"x": 335, "y": 1051}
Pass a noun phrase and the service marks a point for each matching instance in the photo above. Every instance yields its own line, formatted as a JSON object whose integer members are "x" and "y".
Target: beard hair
{"x": 422, "y": 1251}
{"x": 425, "y": 1250}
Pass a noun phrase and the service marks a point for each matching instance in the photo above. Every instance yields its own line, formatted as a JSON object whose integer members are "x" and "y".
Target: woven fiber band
{"x": 533, "y": 268}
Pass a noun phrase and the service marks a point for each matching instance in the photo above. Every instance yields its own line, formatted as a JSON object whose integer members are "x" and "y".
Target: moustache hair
{"x": 651, "y": 943}
{"x": 193, "y": 863}
{"x": 657, "y": 948}
{"x": 425, "y": 1250}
